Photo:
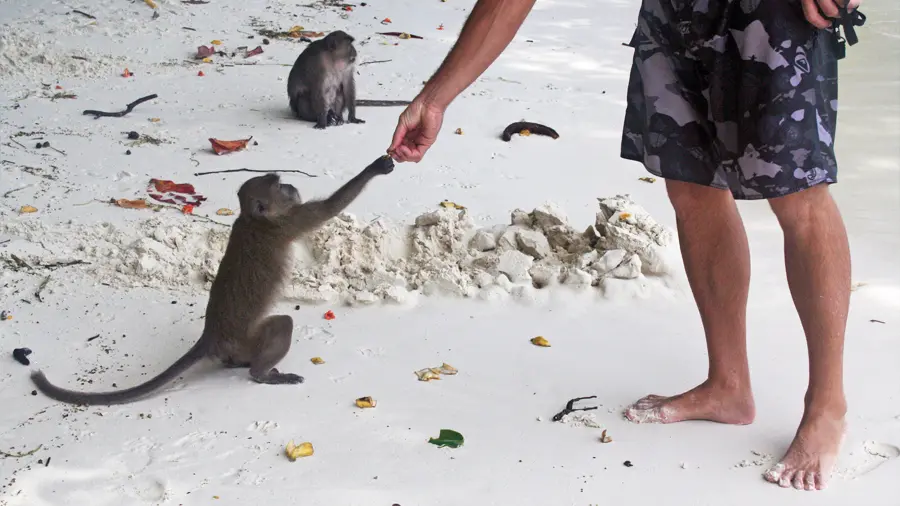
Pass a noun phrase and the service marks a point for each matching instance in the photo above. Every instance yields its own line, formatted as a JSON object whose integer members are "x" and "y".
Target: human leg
{"x": 717, "y": 263}
{"x": 817, "y": 260}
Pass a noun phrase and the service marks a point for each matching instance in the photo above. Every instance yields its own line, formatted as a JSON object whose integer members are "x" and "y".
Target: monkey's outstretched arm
{"x": 311, "y": 215}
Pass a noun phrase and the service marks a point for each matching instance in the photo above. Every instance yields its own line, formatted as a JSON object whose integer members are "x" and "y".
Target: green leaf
{"x": 449, "y": 438}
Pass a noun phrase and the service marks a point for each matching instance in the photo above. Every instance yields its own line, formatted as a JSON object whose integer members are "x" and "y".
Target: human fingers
{"x": 830, "y": 8}
{"x": 399, "y": 133}
{"x": 811, "y": 11}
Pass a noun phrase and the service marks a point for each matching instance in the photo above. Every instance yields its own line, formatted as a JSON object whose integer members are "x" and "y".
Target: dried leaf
{"x": 187, "y": 209}
{"x": 154, "y": 120}
{"x": 427, "y": 374}
{"x": 458, "y": 131}
{"x": 295, "y": 452}
{"x": 216, "y": 42}
{"x": 448, "y": 369}
{"x": 604, "y": 438}
{"x": 204, "y": 51}
{"x": 540, "y": 341}
{"x": 329, "y": 315}
{"x": 27, "y": 209}
{"x": 365, "y": 402}
{"x": 151, "y": 3}
{"x": 624, "y": 216}
{"x": 127, "y": 73}
{"x": 647, "y": 179}
{"x": 132, "y": 204}
{"x": 225, "y": 212}
{"x": 317, "y": 360}
{"x": 228, "y": 146}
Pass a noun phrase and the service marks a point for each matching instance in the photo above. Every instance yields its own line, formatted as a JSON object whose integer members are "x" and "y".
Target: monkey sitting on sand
{"x": 237, "y": 330}
{"x": 322, "y": 84}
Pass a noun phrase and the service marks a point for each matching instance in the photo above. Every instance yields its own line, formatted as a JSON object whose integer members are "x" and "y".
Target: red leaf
{"x": 228, "y": 146}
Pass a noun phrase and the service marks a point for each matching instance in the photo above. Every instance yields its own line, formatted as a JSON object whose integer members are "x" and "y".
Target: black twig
{"x": 570, "y": 407}
{"x": 80, "y": 58}
{"x": 251, "y": 170}
{"x": 93, "y": 337}
{"x": 85, "y": 14}
{"x": 373, "y": 61}
{"x": 128, "y": 109}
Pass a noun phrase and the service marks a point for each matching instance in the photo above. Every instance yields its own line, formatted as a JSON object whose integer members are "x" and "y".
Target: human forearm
{"x": 488, "y": 30}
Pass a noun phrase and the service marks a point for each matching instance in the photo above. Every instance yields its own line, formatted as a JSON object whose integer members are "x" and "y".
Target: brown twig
{"x": 19, "y": 143}
{"x": 20, "y": 455}
{"x": 82, "y": 58}
{"x": 40, "y": 288}
{"x": 128, "y": 108}
{"x": 251, "y": 170}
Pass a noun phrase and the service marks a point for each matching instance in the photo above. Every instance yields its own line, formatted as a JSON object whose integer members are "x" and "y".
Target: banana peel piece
{"x": 295, "y": 452}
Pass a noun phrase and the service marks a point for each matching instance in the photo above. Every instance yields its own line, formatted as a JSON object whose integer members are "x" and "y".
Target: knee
{"x": 690, "y": 199}
{"x": 801, "y": 208}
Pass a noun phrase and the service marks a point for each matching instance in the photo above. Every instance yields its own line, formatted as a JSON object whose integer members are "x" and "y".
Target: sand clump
{"x": 359, "y": 262}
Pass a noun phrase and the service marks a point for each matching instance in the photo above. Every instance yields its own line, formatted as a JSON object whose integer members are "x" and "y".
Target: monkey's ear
{"x": 259, "y": 208}
{"x": 331, "y": 43}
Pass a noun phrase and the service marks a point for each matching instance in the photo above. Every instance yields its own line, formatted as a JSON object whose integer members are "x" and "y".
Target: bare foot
{"x": 705, "y": 402}
{"x": 808, "y": 463}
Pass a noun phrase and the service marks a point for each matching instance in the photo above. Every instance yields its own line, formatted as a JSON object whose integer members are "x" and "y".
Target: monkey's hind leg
{"x": 273, "y": 336}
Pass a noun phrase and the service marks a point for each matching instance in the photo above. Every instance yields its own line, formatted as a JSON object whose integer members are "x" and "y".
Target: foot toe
{"x": 811, "y": 481}
{"x": 799, "y": 480}
{"x": 787, "y": 478}
{"x": 774, "y": 473}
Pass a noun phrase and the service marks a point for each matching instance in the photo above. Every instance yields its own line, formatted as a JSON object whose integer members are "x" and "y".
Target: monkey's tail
{"x": 190, "y": 358}
{"x": 381, "y": 103}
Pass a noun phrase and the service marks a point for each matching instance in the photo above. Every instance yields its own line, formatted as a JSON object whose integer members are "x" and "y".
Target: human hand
{"x": 416, "y": 131}
{"x": 814, "y": 10}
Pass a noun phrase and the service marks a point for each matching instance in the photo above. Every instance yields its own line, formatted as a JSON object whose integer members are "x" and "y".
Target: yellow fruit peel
{"x": 540, "y": 341}
{"x": 365, "y": 402}
{"x": 295, "y": 452}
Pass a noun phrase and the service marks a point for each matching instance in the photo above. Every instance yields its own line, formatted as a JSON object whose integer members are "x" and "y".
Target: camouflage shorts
{"x": 735, "y": 94}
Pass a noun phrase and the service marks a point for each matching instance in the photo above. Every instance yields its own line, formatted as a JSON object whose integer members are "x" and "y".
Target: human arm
{"x": 486, "y": 33}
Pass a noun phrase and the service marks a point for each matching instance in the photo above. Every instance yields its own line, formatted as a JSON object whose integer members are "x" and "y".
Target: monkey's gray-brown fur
{"x": 322, "y": 84}
{"x": 238, "y": 331}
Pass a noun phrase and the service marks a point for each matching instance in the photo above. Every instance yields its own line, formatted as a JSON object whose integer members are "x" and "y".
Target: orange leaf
{"x": 187, "y": 209}
{"x": 329, "y": 315}
{"x": 132, "y": 204}
{"x": 228, "y": 146}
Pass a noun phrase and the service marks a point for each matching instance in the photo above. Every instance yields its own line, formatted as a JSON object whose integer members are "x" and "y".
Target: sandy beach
{"x": 106, "y": 296}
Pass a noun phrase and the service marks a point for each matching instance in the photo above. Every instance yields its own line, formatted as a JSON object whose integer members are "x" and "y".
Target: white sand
{"x": 216, "y": 434}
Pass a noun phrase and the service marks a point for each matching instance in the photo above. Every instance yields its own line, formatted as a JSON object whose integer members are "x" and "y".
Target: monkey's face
{"x": 340, "y": 43}
{"x": 267, "y": 197}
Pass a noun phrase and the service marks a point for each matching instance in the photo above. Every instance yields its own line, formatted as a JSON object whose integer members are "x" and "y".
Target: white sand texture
{"x": 555, "y": 238}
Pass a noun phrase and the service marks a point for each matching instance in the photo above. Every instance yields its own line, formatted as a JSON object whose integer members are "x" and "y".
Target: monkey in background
{"x": 237, "y": 331}
{"x": 322, "y": 85}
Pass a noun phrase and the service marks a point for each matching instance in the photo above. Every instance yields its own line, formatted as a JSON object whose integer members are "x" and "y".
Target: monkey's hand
{"x": 383, "y": 165}
{"x": 354, "y": 119}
